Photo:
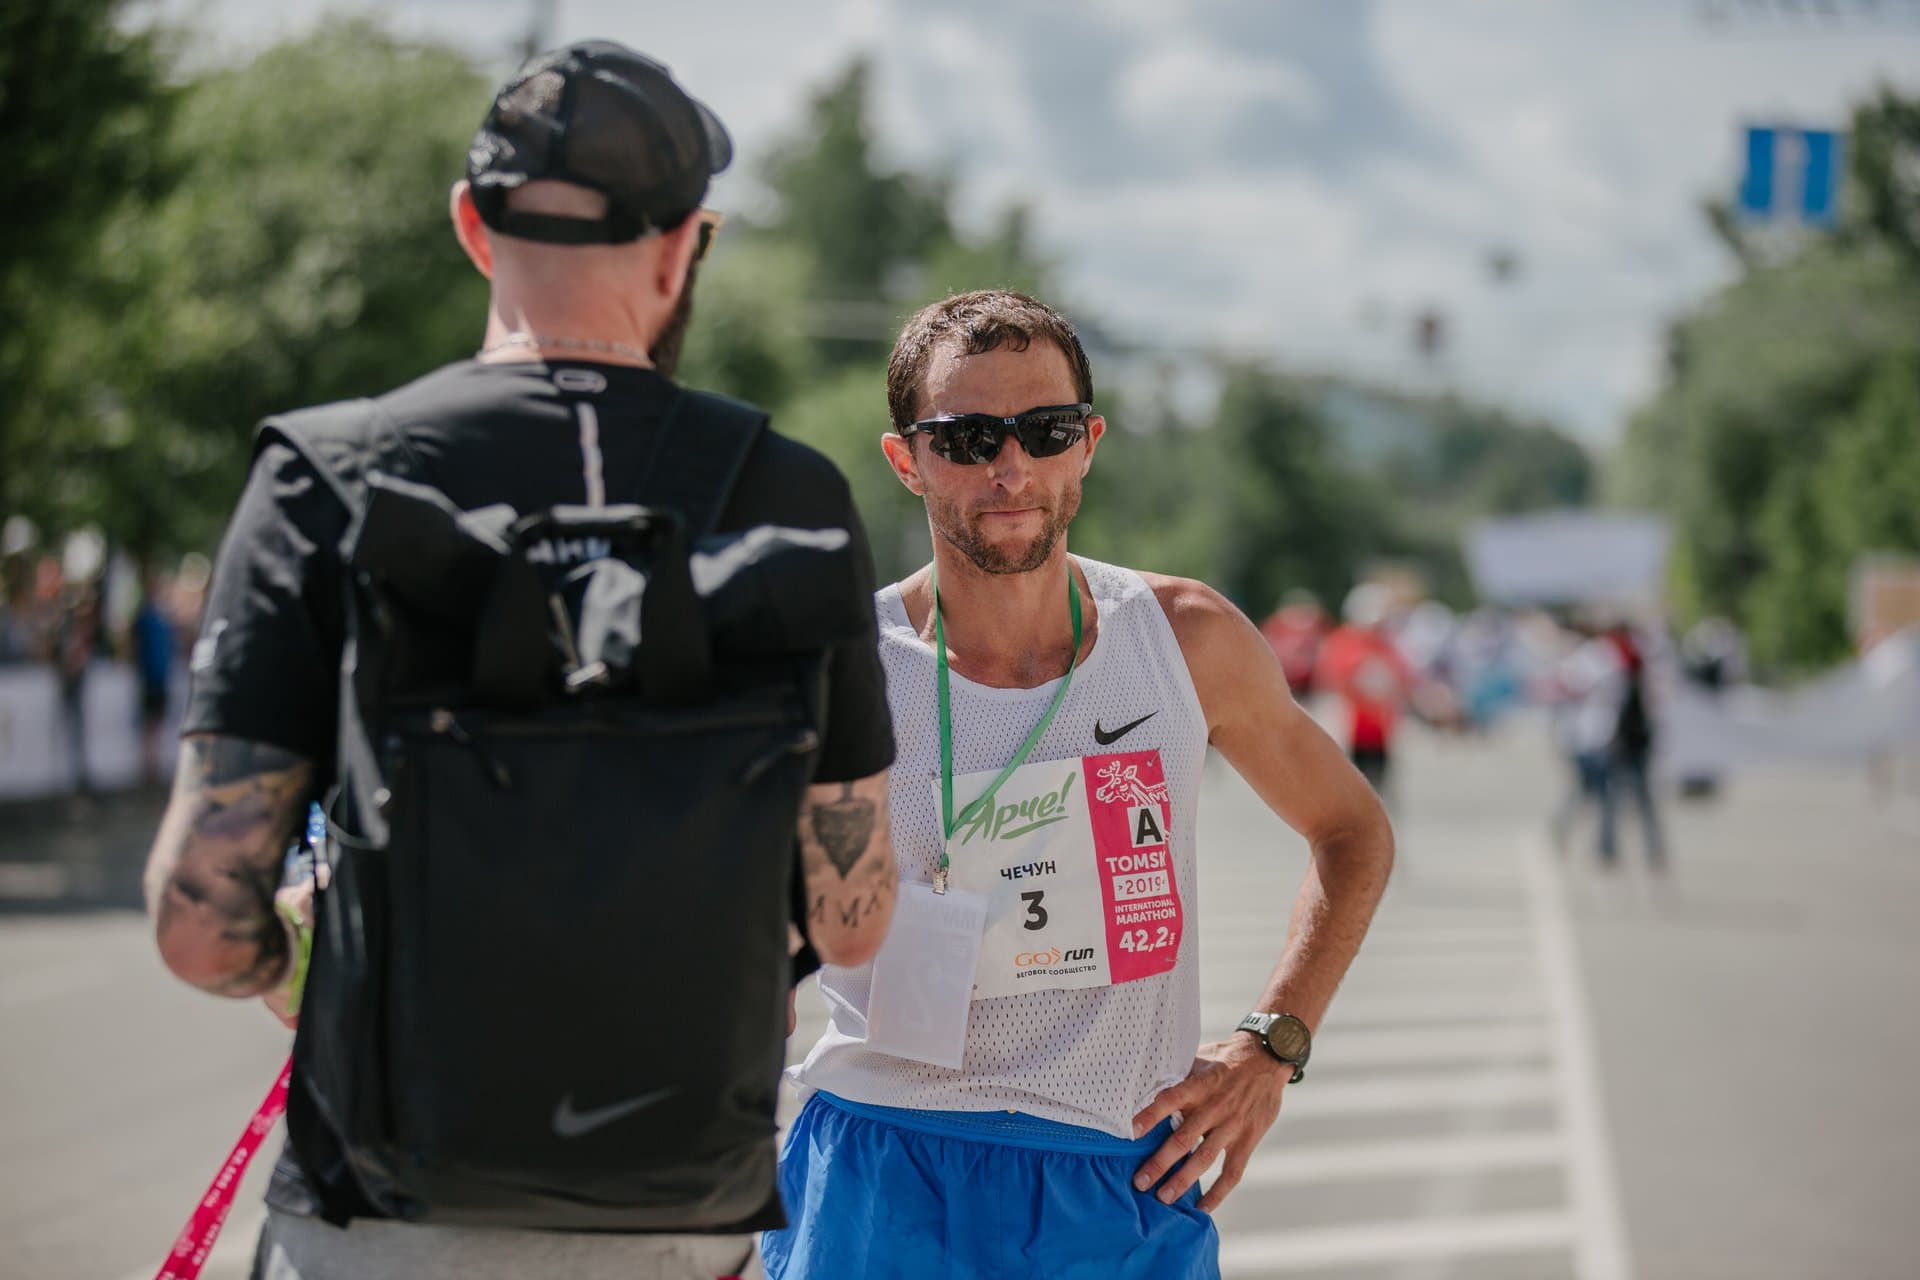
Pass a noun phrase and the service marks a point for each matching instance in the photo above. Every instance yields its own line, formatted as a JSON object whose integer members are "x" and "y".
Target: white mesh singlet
{"x": 1095, "y": 1056}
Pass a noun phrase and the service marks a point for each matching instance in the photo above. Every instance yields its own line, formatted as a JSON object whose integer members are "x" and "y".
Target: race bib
{"x": 1074, "y": 862}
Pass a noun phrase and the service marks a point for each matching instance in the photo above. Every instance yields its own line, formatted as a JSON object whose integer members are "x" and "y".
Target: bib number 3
{"x": 1036, "y": 914}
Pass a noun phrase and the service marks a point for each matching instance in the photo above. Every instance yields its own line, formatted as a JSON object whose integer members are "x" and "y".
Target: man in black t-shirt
{"x": 581, "y": 206}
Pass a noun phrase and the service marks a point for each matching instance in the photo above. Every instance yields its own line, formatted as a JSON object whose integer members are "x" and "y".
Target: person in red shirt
{"x": 1360, "y": 663}
{"x": 1295, "y": 632}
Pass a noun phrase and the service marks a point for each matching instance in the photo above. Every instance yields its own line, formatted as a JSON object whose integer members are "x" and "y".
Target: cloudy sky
{"x": 1294, "y": 179}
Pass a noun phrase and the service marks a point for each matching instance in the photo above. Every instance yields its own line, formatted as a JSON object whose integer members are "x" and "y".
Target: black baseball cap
{"x": 599, "y": 115}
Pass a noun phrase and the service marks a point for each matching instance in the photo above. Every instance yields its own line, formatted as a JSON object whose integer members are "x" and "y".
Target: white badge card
{"x": 1074, "y": 861}
{"x": 923, "y": 977}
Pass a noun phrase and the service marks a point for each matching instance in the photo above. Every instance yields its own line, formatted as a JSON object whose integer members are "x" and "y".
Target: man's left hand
{"x": 1226, "y": 1104}
{"x": 283, "y": 999}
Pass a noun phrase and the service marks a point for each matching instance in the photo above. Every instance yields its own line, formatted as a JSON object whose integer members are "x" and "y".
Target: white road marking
{"x": 1397, "y": 1007}
{"x": 1448, "y": 1155}
{"x": 1452, "y": 1015}
{"x": 1601, "y": 1252}
{"x": 1246, "y": 1255}
{"x": 1428, "y": 1047}
{"x": 1513, "y": 933}
{"x": 1427, "y": 1091}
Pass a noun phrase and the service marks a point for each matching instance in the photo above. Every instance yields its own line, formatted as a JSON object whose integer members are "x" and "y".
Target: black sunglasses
{"x": 976, "y": 437}
{"x": 710, "y": 220}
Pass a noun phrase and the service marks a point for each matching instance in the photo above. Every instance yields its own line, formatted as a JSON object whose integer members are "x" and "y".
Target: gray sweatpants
{"x": 296, "y": 1248}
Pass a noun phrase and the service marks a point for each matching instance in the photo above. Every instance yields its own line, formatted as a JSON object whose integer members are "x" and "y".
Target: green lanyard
{"x": 946, "y": 725}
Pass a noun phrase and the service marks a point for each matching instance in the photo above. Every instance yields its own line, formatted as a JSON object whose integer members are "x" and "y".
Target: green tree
{"x": 1005, "y": 258}
{"x": 1884, "y": 172}
{"x": 303, "y": 255}
{"x": 1776, "y": 441}
{"x": 864, "y": 225}
{"x": 798, "y": 312}
{"x": 1154, "y": 496}
{"x": 750, "y": 303}
{"x": 844, "y": 416}
{"x": 1868, "y": 480}
{"x": 1861, "y": 498}
{"x": 1298, "y": 517}
{"x": 82, "y": 103}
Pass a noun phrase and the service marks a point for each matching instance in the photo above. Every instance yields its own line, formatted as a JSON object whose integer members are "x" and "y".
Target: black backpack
{"x": 548, "y": 986}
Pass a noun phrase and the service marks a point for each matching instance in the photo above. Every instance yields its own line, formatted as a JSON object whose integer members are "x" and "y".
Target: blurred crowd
{"x": 67, "y": 610}
{"x": 1602, "y": 675}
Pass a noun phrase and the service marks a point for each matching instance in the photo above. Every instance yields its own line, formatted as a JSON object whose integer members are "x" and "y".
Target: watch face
{"x": 1288, "y": 1038}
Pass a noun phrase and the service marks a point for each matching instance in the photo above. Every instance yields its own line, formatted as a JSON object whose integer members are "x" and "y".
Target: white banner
{"x": 1863, "y": 710}
{"x": 110, "y": 713}
{"x": 31, "y": 760}
{"x": 36, "y": 758}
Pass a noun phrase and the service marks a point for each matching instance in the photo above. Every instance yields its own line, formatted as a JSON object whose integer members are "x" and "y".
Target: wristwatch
{"x": 1285, "y": 1037}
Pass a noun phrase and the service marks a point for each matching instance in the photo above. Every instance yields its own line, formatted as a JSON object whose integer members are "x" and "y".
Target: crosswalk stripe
{"x": 1503, "y": 945}
{"x": 1439, "y": 1047}
{"x": 1393, "y": 966}
{"x": 1452, "y": 1154}
{"x": 1453, "y": 1009}
{"x": 1361, "y": 1008}
{"x": 1602, "y": 1249}
{"x": 1247, "y": 1255}
{"x": 1423, "y": 1092}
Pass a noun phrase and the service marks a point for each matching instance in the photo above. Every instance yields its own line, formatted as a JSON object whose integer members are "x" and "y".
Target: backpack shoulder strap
{"x": 344, "y": 442}
{"x": 704, "y": 443}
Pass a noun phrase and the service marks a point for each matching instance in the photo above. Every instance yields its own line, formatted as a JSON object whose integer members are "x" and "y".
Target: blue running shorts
{"x": 884, "y": 1193}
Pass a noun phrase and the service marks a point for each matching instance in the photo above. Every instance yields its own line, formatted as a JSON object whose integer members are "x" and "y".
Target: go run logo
{"x": 1050, "y": 957}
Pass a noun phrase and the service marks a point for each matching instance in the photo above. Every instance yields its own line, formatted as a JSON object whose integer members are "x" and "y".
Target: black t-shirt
{"x": 267, "y": 668}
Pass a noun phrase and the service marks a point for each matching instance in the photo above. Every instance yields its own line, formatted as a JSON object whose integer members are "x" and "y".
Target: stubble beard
{"x": 666, "y": 346}
{"x": 964, "y": 535}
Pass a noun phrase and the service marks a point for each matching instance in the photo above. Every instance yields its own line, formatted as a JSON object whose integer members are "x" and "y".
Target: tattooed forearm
{"x": 843, "y": 827}
{"x": 850, "y": 912}
{"x": 215, "y": 865}
{"x": 846, "y": 857}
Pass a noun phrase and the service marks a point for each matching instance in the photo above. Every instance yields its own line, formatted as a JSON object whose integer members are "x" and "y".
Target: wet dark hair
{"x": 973, "y": 323}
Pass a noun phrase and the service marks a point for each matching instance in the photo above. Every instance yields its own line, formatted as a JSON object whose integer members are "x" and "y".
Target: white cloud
{"x": 1190, "y": 94}
{"x": 1269, "y": 175}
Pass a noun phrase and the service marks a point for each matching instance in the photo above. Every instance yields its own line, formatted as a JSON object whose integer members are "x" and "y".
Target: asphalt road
{"x": 1534, "y": 1070}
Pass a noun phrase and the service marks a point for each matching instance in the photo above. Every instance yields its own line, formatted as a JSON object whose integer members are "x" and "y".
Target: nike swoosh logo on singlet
{"x": 568, "y": 1123}
{"x": 1105, "y": 738}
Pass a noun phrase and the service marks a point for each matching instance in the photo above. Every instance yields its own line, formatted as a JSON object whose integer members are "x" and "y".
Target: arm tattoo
{"x": 846, "y": 861}
{"x": 844, "y": 828}
{"x": 850, "y": 912}
{"x": 236, "y": 807}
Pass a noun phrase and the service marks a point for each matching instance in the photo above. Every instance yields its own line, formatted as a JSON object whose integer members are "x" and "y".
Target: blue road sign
{"x": 1792, "y": 174}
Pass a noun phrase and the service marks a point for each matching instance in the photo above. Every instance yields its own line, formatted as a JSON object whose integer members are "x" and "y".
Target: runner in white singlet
{"x": 995, "y": 1094}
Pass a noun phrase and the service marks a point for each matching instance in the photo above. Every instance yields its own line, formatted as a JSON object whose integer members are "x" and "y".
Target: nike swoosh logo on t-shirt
{"x": 1104, "y": 738}
{"x": 568, "y": 1123}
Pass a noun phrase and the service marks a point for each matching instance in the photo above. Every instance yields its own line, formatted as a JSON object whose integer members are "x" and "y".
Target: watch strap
{"x": 1259, "y": 1023}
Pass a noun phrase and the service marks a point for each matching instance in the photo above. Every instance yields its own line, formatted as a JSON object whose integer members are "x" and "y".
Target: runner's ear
{"x": 906, "y": 468}
{"x": 472, "y": 234}
{"x": 1096, "y": 427}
